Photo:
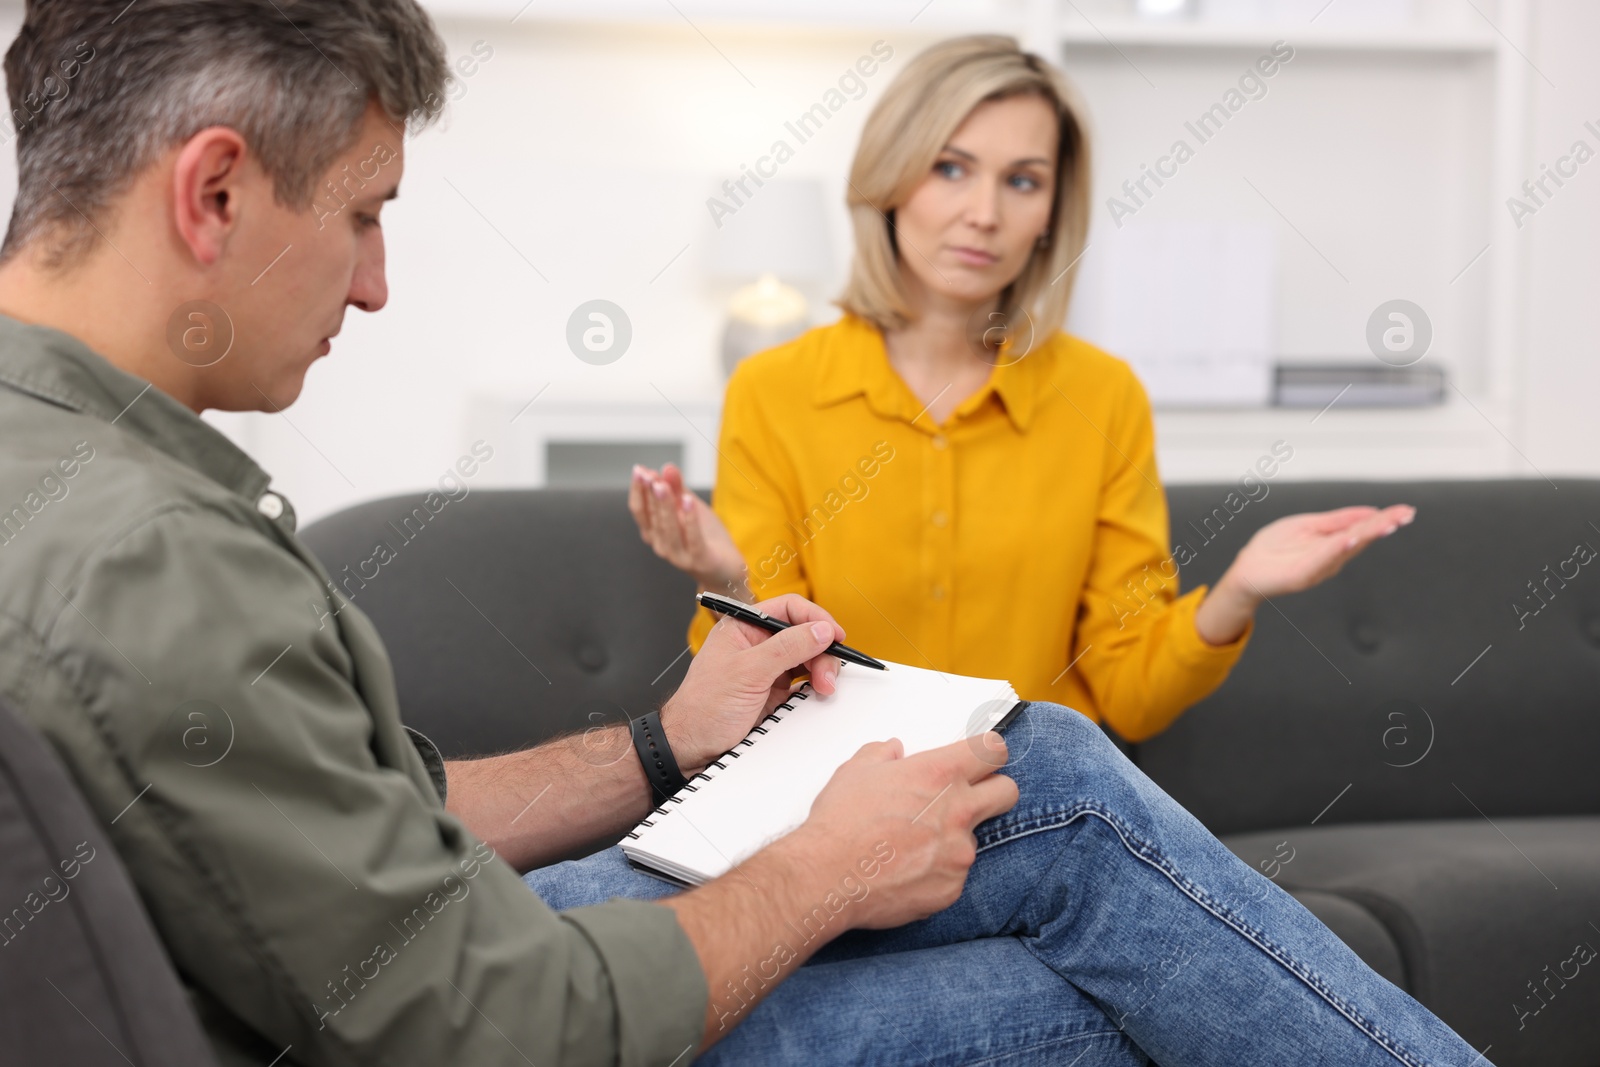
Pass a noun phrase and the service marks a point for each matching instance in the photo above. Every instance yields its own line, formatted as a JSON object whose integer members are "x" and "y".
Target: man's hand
{"x": 742, "y": 673}
{"x": 901, "y": 827}
{"x": 922, "y": 807}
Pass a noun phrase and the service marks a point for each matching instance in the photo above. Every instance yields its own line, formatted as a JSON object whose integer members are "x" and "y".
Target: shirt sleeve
{"x": 756, "y": 495}
{"x": 1142, "y": 658}
{"x": 297, "y": 872}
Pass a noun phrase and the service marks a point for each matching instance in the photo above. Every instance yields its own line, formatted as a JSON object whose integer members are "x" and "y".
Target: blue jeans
{"x": 1101, "y": 924}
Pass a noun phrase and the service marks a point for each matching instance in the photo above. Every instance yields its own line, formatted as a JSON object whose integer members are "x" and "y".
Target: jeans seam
{"x": 1149, "y": 854}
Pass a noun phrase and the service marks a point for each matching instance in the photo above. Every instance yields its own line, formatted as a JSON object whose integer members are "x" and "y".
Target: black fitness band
{"x": 655, "y": 755}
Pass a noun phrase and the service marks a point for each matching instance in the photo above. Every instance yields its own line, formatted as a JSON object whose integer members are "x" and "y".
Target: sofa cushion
{"x": 1419, "y": 677}
{"x": 1495, "y": 926}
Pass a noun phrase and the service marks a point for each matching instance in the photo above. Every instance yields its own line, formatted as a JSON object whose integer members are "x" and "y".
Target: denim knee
{"x": 1055, "y": 747}
{"x": 1059, "y": 727}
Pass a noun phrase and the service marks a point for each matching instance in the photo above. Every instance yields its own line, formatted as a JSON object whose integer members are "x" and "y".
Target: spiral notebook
{"x": 763, "y": 787}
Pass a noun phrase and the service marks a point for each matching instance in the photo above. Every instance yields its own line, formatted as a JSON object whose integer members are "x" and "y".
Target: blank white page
{"x": 766, "y": 790}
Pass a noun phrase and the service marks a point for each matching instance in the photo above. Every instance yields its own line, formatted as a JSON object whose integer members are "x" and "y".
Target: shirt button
{"x": 938, "y": 592}
{"x": 270, "y": 505}
{"x": 940, "y": 519}
{"x": 939, "y": 441}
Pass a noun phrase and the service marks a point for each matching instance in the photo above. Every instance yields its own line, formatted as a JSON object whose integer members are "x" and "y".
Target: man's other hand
{"x": 902, "y": 826}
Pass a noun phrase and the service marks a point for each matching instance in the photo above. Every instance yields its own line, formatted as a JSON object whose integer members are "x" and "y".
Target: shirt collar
{"x": 857, "y": 364}
{"x": 59, "y": 369}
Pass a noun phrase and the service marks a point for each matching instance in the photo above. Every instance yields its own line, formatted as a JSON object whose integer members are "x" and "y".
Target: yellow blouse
{"x": 1026, "y": 538}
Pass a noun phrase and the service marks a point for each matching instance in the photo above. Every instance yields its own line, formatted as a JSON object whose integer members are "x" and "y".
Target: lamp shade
{"x": 781, "y": 228}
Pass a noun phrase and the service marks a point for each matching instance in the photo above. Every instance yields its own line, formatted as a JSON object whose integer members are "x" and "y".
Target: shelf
{"x": 1454, "y": 439}
{"x": 1199, "y": 35}
{"x": 645, "y": 416}
{"x": 1451, "y": 440}
{"x": 1454, "y": 418}
{"x": 825, "y": 17}
{"x": 938, "y": 17}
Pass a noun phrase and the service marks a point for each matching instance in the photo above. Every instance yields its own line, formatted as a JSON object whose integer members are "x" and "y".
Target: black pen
{"x": 745, "y": 613}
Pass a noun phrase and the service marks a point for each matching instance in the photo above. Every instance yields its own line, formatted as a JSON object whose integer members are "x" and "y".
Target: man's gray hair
{"x": 100, "y": 88}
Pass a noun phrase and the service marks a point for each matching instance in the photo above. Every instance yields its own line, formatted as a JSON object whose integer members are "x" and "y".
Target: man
{"x": 200, "y": 191}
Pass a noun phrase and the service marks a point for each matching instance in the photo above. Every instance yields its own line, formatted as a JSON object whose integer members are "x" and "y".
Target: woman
{"x": 961, "y": 484}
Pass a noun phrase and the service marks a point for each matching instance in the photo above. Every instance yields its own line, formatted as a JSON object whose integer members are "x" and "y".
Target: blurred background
{"x": 572, "y": 264}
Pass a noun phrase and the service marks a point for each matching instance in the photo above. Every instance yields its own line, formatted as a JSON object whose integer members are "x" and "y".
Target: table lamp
{"x": 776, "y": 236}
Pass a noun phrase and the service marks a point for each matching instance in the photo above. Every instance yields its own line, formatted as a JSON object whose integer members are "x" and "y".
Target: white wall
{"x": 592, "y": 151}
{"x": 1560, "y": 404}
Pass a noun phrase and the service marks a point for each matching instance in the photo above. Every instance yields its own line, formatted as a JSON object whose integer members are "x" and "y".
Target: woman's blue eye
{"x": 947, "y": 168}
{"x": 1025, "y": 181}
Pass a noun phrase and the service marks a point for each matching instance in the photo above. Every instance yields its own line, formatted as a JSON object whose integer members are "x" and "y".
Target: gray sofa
{"x": 1410, "y": 749}
{"x": 84, "y": 979}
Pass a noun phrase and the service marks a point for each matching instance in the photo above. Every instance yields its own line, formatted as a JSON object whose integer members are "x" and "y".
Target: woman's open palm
{"x": 683, "y": 530}
{"x": 1297, "y": 552}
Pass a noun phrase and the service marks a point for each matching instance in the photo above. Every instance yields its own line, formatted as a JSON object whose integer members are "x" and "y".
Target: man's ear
{"x": 206, "y": 182}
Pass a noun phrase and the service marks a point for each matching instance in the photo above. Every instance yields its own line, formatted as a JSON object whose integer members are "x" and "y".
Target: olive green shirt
{"x": 234, "y": 725}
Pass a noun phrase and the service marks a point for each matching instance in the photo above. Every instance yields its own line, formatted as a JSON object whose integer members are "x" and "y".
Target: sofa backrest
{"x": 514, "y": 615}
{"x": 1410, "y": 686}
{"x": 83, "y": 977}
{"x": 1428, "y": 679}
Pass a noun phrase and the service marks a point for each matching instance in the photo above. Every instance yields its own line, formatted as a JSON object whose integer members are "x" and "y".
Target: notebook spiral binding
{"x": 803, "y": 693}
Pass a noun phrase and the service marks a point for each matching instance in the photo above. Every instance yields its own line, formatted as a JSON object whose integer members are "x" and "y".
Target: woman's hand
{"x": 684, "y": 531}
{"x": 1288, "y": 556}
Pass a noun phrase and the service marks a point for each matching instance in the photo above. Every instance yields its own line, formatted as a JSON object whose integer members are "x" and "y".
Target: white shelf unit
{"x": 1125, "y": 33}
{"x": 903, "y": 17}
{"x": 1371, "y": 444}
{"x": 530, "y": 430}
{"x": 1474, "y": 432}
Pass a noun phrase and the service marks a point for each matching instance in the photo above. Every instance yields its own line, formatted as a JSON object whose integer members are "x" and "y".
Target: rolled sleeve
{"x": 433, "y": 760}
{"x": 300, "y": 870}
{"x": 656, "y": 978}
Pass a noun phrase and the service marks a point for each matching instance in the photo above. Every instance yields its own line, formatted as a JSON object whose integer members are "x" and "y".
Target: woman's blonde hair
{"x": 903, "y": 137}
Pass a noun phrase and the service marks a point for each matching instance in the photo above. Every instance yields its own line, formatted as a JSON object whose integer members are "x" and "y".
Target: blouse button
{"x": 938, "y": 592}
{"x": 939, "y": 441}
{"x": 940, "y": 519}
{"x": 270, "y": 505}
